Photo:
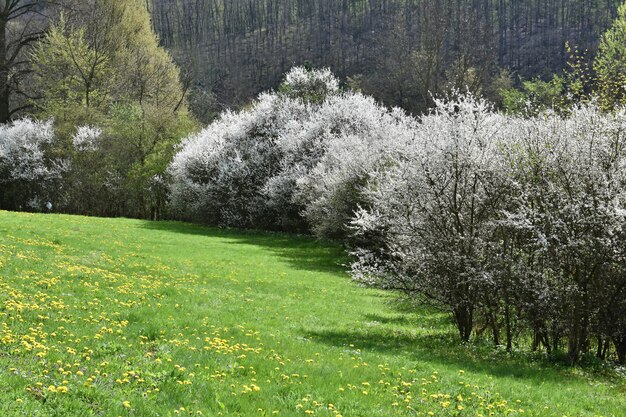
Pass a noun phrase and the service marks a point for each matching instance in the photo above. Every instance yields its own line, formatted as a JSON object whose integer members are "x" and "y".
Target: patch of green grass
{"x": 102, "y": 317}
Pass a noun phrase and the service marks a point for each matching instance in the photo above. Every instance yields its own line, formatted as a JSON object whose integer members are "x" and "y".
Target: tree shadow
{"x": 300, "y": 252}
{"x": 430, "y": 320}
{"x": 423, "y": 335}
{"x": 397, "y": 319}
{"x": 440, "y": 347}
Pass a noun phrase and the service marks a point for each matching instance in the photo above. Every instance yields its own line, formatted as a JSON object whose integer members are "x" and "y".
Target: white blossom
{"x": 87, "y": 138}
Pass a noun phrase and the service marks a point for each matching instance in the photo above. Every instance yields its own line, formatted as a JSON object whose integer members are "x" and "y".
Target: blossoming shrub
{"x": 29, "y": 174}
{"x": 508, "y": 223}
{"x": 565, "y": 238}
{"x": 512, "y": 224}
{"x": 219, "y": 174}
{"x": 290, "y": 154}
{"x": 434, "y": 207}
{"x": 357, "y": 137}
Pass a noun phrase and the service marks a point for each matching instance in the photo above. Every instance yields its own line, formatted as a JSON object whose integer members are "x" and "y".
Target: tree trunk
{"x": 509, "y": 330}
{"x": 600, "y": 347}
{"x": 5, "y": 92}
{"x": 620, "y": 348}
{"x": 463, "y": 316}
{"x": 577, "y": 340}
{"x": 495, "y": 328}
{"x": 556, "y": 337}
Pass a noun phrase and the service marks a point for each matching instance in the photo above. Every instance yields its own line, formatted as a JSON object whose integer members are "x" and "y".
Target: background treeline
{"x": 399, "y": 51}
{"x": 402, "y": 52}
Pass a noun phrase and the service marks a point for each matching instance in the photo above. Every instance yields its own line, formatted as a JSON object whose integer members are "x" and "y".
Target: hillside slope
{"x": 102, "y": 317}
{"x": 237, "y": 48}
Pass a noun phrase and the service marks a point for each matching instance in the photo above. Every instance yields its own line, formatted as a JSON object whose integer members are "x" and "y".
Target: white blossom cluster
{"x": 308, "y": 85}
{"x": 87, "y": 138}
{"x": 218, "y": 174}
{"x": 287, "y": 157}
{"x": 510, "y": 223}
{"x": 27, "y": 171}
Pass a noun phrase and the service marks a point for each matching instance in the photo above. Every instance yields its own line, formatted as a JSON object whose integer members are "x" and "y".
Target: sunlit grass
{"x": 131, "y": 318}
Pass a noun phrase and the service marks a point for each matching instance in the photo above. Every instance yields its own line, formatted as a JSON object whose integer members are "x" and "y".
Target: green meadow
{"x": 116, "y": 317}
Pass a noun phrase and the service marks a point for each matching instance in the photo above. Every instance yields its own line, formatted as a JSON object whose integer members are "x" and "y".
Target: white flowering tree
{"x": 90, "y": 186}
{"x": 434, "y": 207}
{"x": 312, "y": 86}
{"x": 305, "y": 150}
{"x": 218, "y": 175}
{"x": 566, "y": 234}
{"x": 29, "y": 175}
{"x": 518, "y": 222}
{"x": 357, "y": 136}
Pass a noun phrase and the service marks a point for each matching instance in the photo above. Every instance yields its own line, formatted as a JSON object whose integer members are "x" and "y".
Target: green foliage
{"x": 72, "y": 74}
{"x": 105, "y": 68}
{"x": 586, "y": 78}
{"x": 107, "y": 56}
{"x": 577, "y": 85}
{"x": 610, "y": 64}
{"x": 580, "y": 77}
{"x": 140, "y": 318}
{"x": 535, "y": 96}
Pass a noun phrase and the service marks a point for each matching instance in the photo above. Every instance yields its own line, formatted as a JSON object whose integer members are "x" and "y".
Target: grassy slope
{"x": 138, "y": 319}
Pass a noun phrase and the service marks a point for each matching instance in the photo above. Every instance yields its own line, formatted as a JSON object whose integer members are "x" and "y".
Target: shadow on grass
{"x": 300, "y": 252}
{"x": 397, "y": 320}
{"x": 429, "y": 321}
{"x": 439, "y": 348}
{"x": 427, "y": 337}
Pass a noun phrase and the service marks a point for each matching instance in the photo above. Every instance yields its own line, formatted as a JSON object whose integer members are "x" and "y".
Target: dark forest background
{"x": 399, "y": 51}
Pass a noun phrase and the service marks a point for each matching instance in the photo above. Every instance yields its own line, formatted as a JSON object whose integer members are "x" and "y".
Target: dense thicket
{"x": 395, "y": 50}
{"x": 289, "y": 161}
{"x": 29, "y": 172}
{"x": 510, "y": 223}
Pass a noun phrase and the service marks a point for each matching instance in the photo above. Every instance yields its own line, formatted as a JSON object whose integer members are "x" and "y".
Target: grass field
{"x": 132, "y": 318}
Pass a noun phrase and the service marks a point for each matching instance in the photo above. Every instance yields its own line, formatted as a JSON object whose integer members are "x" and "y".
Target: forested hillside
{"x": 396, "y": 50}
{"x": 465, "y": 160}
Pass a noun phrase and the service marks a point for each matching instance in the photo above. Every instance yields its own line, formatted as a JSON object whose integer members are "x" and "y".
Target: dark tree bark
{"x": 464, "y": 318}
{"x": 22, "y": 22}
{"x": 4, "y": 73}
